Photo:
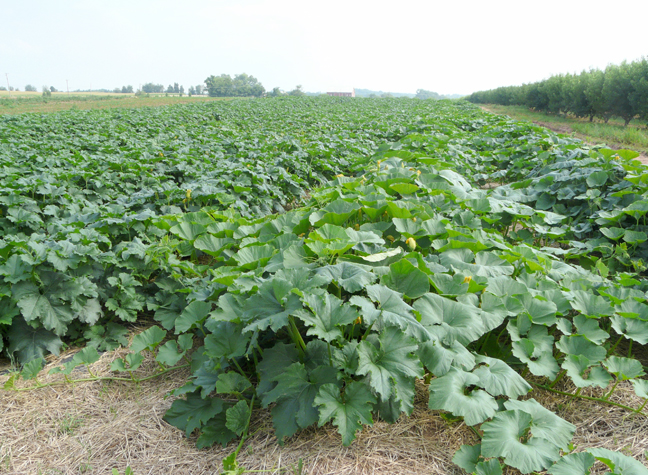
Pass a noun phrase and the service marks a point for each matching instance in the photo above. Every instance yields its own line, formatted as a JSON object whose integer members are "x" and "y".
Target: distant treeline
{"x": 420, "y": 94}
{"x": 620, "y": 91}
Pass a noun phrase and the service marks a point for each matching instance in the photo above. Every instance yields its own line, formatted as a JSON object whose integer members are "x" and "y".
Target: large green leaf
{"x": 252, "y": 257}
{"x": 624, "y": 368}
{"x": 294, "y": 396}
{"x": 192, "y": 315}
{"x": 545, "y": 424}
{"x": 405, "y": 278}
{"x": 275, "y": 360}
{"x": 27, "y": 343}
{"x": 449, "y": 393}
{"x": 450, "y": 285}
{"x": 619, "y": 463}
{"x": 271, "y": 306}
{"x": 349, "y": 411}
{"x": 391, "y": 360}
{"x": 149, "y": 339}
{"x": 212, "y": 245}
{"x": 237, "y": 416}
{"x": 188, "y": 231}
{"x": 540, "y": 362}
{"x": 336, "y": 212}
{"x": 48, "y": 310}
{"x": 192, "y": 413}
{"x": 327, "y": 316}
{"x": 215, "y": 431}
{"x": 227, "y": 341}
{"x": 577, "y": 366}
{"x": 438, "y": 357}
{"x": 488, "y": 467}
{"x": 590, "y": 305}
{"x": 640, "y": 387}
{"x": 350, "y": 277}
{"x": 232, "y": 383}
{"x": 467, "y": 457}
{"x": 448, "y": 319}
{"x": 540, "y": 311}
{"x": 14, "y": 269}
{"x": 507, "y": 436}
{"x": 499, "y": 379}
{"x": 486, "y": 263}
{"x": 631, "y": 328}
{"x": 590, "y": 329}
{"x": 573, "y": 464}
{"x": 580, "y": 346}
{"x": 169, "y": 353}
{"x": 392, "y": 309}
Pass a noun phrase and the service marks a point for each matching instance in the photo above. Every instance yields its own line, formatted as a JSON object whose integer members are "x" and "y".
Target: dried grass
{"x": 94, "y": 427}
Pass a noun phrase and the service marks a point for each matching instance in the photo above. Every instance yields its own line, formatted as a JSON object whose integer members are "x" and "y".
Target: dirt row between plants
{"x": 94, "y": 427}
{"x": 567, "y": 130}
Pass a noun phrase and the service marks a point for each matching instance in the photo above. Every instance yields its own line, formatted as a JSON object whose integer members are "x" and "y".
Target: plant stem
{"x": 606, "y": 397}
{"x": 481, "y": 348}
{"x": 560, "y": 376}
{"x": 240, "y": 370}
{"x": 328, "y": 345}
{"x": 611, "y": 350}
{"x": 299, "y": 341}
{"x": 247, "y": 428}
{"x": 366, "y": 333}
{"x": 597, "y": 399}
{"x": 643, "y": 405}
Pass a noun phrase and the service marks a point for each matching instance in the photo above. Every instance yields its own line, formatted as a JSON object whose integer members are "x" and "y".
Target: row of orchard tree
{"x": 620, "y": 91}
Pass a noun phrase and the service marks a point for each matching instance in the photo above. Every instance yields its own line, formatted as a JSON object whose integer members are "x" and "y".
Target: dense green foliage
{"x": 396, "y": 265}
{"x": 620, "y": 91}
{"x": 241, "y": 85}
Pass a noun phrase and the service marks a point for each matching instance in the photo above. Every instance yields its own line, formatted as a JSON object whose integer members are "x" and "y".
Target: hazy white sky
{"x": 449, "y": 46}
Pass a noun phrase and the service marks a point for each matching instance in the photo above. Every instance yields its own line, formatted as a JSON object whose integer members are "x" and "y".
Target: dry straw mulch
{"x": 93, "y": 427}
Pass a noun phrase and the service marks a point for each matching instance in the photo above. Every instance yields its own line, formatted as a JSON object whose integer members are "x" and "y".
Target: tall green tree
{"x": 616, "y": 91}
{"x": 594, "y": 94}
{"x": 576, "y": 99}
{"x": 298, "y": 91}
{"x": 423, "y": 94}
{"x": 149, "y": 87}
{"x": 246, "y": 86}
{"x": 639, "y": 94}
{"x": 243, "y": 85}
{"x": 220, "y": 86}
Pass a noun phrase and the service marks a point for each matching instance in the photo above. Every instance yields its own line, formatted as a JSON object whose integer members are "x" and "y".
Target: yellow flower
{"x": 418, "y": 172}
{"x": 467, "y": 279}
{"x": 391, "y": 238}
{"x": 189, "y": 194}
{"x": 414, "y": 219}
{"x": 411, "y": 243}
{"x": 357, "y": 321}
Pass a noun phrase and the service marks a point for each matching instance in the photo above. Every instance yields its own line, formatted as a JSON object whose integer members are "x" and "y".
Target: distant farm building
{"x": 342, "y": 94}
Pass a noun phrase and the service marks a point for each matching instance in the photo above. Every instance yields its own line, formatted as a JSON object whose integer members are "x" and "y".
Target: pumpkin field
{"x": 288, "y": 271}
